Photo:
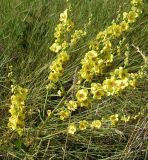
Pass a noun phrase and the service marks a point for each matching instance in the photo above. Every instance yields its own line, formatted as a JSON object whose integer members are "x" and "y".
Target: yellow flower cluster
{"x": 83, "y": 125}
{"x": 64, "y": 113}
{"x": 16, "y": 121}
{"x": 91, "y": 65}
{"x": 117, "y": 82}
{"x": 61, "y": 45}
{"x": 101, "y": 53}
{"x": 82, "y": 96}
{"x": 61, "y": 30}
{"x": 97, "y": 124}
{"x": 114, "y": 119}
{"x": 72, "y": 105}
{"x": 57, "y": 66}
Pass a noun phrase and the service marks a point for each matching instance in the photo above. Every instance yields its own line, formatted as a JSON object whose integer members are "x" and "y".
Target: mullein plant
{"x": 17, "y": 106}
{"x": 100, "y": 55}
{"x": 66, "y": 37}
{"x": 63, "y": 42}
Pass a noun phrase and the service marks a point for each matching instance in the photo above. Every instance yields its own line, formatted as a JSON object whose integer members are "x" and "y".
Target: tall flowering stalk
{"x": 65, "y": 37}
{"x": 17, "y": 106}
{"x": 17, "y": 109}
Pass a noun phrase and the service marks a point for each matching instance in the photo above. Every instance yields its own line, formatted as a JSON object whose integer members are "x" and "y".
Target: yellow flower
{"x": 64, "y": 114}
{"x": 50, "y": 86}
{"x": 132, "y": 15}
{"x": 20, "y": 131}
{"x": 108, "y": 58}
{"x": 124, "y": 26}
{"x": 55, "y": 47}
{"x": 85, "y": 103}
{"x": 54, "y": 76}
{"x": 56, "y": 65}
{"x": 98, "y": 94}
{"x": 86, "y": 74}
{"x": 59, "y": 27}
{"x": 64, "y": 45}
{"x": 63, "y": 16}
{"x": 114, "y": 119}
{"x": 90, "y": 65}
{"x": 83, "y": 125}
{"x": 69, "y": 25}
{"x": 12, "y": 123}
{"x": 109, "y": 30}
{"x": 12, "y": 109}
{"x": 97, "y": 90}
{"x": 24, "y": 91}
{"x": 72, "y": 105}
{"x": 100, "y": 35}
{"x": 107, "y": 46}
{"x": 132, "y": 83}
{"x": 17, "y": 99}
{"x": 94, "y": 45}
{"x": 122, "y": 84}
{"x": 136, "y": 2}
{"x": 98, "y": 66}
{"x": 121, "y": 73}
{"x": 96, "y": 124}
{"x": 117, "y": 30}
{"x": 57, "y": 34}
{"x": 63, "y": 56}
{"x": 91, "y": 55}
{"x": 82, "y": 95}
{"x": 59, "y": 71}
{"x": 94, "y": 87}
{"x": 125, "y": 15}
{"x": 110, "y": 86}
{"x": 72, "y": 128}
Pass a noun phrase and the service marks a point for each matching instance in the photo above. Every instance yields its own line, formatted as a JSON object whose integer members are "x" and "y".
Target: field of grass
{"x": 26, "y": 34}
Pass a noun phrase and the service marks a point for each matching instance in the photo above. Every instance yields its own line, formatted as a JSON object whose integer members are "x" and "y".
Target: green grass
{"x": 26, "y": 32}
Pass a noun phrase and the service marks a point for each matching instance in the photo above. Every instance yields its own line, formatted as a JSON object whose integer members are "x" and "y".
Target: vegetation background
{"x": 26, "y": 32}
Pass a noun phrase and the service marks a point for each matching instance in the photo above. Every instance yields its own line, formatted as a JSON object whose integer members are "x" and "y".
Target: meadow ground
{"x": 26, "y": 33}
